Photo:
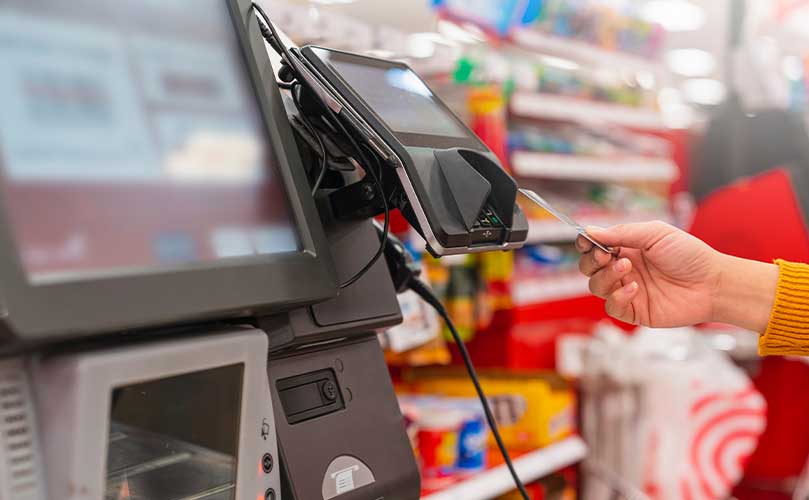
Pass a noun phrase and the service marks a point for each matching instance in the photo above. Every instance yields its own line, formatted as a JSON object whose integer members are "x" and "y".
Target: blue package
{"x": 472, "y": 445}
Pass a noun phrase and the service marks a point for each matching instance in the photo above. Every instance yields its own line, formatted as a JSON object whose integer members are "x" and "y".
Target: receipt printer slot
{"x": 310, "y": 395}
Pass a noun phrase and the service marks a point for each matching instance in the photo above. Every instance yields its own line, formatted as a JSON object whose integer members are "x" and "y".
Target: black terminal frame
{"x": 404, "y": 145}
{"x": 238, "y": 287}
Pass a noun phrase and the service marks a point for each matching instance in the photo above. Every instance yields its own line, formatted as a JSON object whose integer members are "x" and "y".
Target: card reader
{"x": 450, "y": 186}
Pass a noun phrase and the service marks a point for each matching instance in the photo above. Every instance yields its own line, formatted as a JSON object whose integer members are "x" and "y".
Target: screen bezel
{"x": 237, "y": 287}
{"x": 406, "y": 138}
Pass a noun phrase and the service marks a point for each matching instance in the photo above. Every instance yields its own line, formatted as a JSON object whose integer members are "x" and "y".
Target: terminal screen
{"x": 397, "y": 94}
{"x": 131, "y": 139}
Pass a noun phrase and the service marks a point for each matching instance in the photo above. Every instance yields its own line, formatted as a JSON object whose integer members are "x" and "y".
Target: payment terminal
{"x": 453, "y": 189}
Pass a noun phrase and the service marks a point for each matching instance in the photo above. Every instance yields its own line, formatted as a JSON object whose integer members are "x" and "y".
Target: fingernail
{"x": 621, "y": 265}
{"x": 631, "y": 288}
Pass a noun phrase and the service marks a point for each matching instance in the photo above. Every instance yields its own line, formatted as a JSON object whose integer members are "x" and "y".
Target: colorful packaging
{"x": 437, "y": 442}
{"x": 532, "y": 409}
{"x": 472, "y": 441}
{"x": 553, "y": 487}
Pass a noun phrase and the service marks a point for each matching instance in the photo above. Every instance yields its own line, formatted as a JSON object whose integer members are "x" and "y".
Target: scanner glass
{"x": 130, "y": 139}
{"x": 176, "y": 438}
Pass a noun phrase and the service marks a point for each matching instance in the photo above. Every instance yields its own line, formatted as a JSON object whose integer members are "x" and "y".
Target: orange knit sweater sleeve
{"x": 788, "y": 331}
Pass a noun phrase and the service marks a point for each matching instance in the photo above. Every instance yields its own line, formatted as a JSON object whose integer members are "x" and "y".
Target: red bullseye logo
{"x": 725, "y": 432}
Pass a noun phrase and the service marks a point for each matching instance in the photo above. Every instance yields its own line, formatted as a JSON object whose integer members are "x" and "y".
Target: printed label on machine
{"x": 345, "y": 474}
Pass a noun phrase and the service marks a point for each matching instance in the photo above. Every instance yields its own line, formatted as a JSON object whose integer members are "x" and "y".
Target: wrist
{"x": 745, "y": 292}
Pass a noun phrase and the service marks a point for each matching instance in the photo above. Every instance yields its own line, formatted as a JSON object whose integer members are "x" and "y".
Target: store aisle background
{"x": 616, "y": 111}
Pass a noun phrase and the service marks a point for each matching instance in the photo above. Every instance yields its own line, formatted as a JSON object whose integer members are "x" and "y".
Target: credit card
{"x": 531, "y": 195}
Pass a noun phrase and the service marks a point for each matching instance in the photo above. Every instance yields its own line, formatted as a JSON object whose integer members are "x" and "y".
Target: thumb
{"x": 641, "y": 235}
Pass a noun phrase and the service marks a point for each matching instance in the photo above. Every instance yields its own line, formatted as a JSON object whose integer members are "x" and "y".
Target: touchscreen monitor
{"x": 131, "y": 140}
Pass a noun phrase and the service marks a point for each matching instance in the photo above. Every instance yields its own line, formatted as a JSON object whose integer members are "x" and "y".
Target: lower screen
{"x": 176, "y": 438}
{"x": 130, "y": 138}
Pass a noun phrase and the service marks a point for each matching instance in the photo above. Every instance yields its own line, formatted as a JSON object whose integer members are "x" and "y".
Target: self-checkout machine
{"x": 158, "y": 238}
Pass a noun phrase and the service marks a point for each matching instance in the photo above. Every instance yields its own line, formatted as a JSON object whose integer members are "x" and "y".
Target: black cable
{"x": 385, "y": 229}
{"x": 273, "y": 39}
{"x": 324, "y": 158}
{"x": 423, "y": 291}
{"x": 271, "y": 36}
{"x": 370, "y": 171}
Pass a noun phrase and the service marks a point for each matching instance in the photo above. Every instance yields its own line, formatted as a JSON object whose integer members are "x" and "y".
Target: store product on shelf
{"x": 613, "y": 26}
{"x": 586, "y": 141}
{"x": 666, "y": 412}
{"x": 472, "y": 440}
{"x": 516, "y": 70}
{"x": 496, "y": 16}
{"x": 547, "y": 273}
{"x": 553, "y": 487}
{"x": 419, "y": 325}
{"x": 533, "y": 409}
{"x": 546, "y": 262}
{"x": 582, "y": 85}
{"x": 473, "y": 287}
{"x": 437, "y": 441}
{"x": 488, "y": 119}
{"x": 417, "y": 340}
{"x": 450, "y": 437}
{"x": 603, "y": 25}
{"x": 585, "y": 201}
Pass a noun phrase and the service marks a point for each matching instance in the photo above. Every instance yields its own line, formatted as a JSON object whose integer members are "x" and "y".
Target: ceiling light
{"x": 674, "y": 15}
{"x": 669, "y": 97}
{"x": 421, "y": 45}
{"x": 691, "y": 62}
{"x": 460, "y": 34}
{"x": 646, "y": 80}
{"x": 676, "y": 114}
{"x": 435, "y": 38}
{"x": 558, "y": 62}
{"x": 474, "y": 30}
{"x": 679, "y": 117}
{"x": 704, "y": 91}
{"x": 792, "y": 67}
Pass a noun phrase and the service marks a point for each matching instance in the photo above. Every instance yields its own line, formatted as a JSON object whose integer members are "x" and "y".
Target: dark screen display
{"x": 176, "y": 437}
{"x": 130, "y": 139}
{"x": 397, "y": 95}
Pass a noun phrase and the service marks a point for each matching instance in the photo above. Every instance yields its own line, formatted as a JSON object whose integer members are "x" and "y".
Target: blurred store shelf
{"x": 552, "y": 107}
{"x": 553, "y": 231}
{"x": 548, "y": 289}
{"x": 530, "y": 467}
{"x": 585, "y": 53}
{"x": 740, "y": 345}
{"x": 572, "y": 167}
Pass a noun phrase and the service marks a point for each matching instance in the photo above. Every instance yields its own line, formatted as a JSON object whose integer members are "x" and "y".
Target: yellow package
{"x": 532, "y": 409}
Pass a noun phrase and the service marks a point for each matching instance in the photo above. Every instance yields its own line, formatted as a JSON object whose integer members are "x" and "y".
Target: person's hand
{"x": 664, "y": 277}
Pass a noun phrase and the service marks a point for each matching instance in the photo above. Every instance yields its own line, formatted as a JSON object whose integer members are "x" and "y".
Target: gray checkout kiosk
{"x": 170, "y": 322}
